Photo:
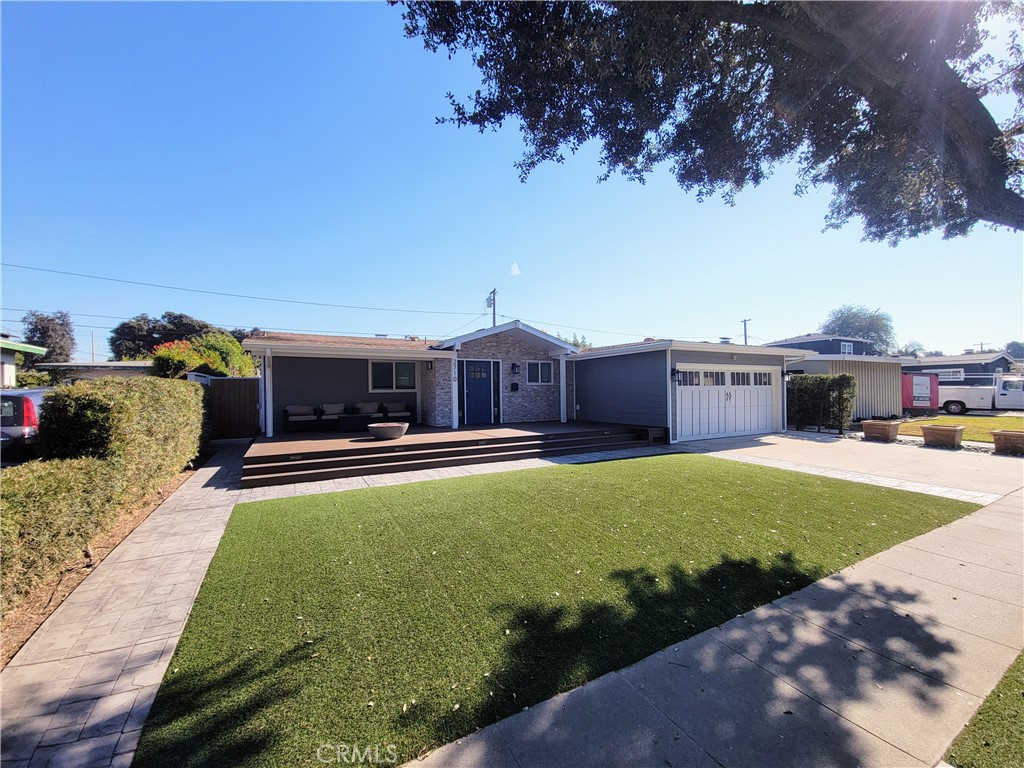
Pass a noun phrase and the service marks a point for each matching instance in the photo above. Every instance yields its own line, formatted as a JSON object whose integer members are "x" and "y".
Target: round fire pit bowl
{"x": 388, "y": 430}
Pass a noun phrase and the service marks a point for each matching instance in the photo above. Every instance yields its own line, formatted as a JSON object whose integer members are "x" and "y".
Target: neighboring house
{"x": 962, "y": 369}
{"x": 827, "y": 344}
{"x": 878, "y": 378}
{"x": 515, "y": 373}
{"x": 8, "y": 368}
{"x": 77, "y": 371}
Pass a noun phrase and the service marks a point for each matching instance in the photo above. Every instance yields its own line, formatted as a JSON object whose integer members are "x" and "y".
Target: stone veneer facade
{"x": 436, "y": 392}
{"x": 533, "y": 402}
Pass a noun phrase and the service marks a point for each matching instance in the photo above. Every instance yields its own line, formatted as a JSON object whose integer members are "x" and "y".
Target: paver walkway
{"x": 79, "y": 691}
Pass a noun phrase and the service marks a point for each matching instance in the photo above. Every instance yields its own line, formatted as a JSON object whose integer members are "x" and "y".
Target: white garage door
{"x": 721, "y": 402}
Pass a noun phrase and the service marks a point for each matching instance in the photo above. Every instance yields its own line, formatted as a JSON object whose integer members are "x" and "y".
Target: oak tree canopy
{"x": 881, "y": 101}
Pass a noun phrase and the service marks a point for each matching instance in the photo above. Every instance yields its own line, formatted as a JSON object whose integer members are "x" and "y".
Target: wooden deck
{"x": 307, "y": 457}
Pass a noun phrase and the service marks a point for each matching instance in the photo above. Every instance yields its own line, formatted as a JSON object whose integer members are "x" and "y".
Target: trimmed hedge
{"x": 108, "y": 445}
{"x": 51, "y": 511}
{"x": 150, "y": 427}
{"x": 820, "y": 400}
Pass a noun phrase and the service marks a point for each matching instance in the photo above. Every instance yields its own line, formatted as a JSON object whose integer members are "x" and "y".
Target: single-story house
{"x": 878, "y": 378}
{"x": 962, "y": 369}
{"x": 8, "y": 349}
{"x": 515, "y": 373}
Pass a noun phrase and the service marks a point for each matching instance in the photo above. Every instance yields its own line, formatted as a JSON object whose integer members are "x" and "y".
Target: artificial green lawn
{"x": 995, "y": 736}
{"x": 977, "y": 428}
{"x": 413, "y": 614}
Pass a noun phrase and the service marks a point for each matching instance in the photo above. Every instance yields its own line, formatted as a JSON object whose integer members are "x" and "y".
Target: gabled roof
{"x": 108, "y": 365}
{"x": 17, "y": 346}
{"x": 814, "y": 337}
{"x": 313, "y": 345}
{"x": 516, "y": 328}
{"x": 983, "y": 358}
{"x": 689, "y": 346}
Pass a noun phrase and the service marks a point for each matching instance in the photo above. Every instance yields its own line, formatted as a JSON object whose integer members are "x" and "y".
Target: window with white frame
{"x": 714, "y": 378}
{"x": 540, "y": 372}
{"x": 388, "y": 376}
{"x": 845, "y": 347}
{"x": 689, "y": 378}
{"x": 739, "y": 378}
{"x": 762, "y": 379}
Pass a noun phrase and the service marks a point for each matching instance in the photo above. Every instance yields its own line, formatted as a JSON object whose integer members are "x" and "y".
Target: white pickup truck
{"x": 1006, "y": 394}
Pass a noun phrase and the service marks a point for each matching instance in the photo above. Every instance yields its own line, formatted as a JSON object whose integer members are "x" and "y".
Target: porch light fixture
{"x": 515, "y": 369}
{"x": 677, "y": 375}
{"x": 430, "y": 365}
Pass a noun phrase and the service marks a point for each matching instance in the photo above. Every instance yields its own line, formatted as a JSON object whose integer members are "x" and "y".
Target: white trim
{"x": 512, "y": 325}
{"x": 561, "y": 390}
{"x": 362, "y": 353}
{"x": 268, "y": 376}
{"x": 455, "y": 392}
{"x": 540, "y": 383}
{"x": 858, "y": 359}
{"x": 369, "y": 377}
{"x": 673, "y": 437}
{"x": 688, "y": 346}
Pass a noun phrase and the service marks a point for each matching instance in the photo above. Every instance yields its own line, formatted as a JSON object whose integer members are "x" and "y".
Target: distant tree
{"x": 55, "y": 331}
{"x": 138, "y": 337}
{"x": 241, "y": 334}
{"x": 910, "y": 349}
{"x": 1015, "y": 349}
{"x": 880, "y": 102}
{"x": 576, "y": 340}
{"x": 934, "y": 353}
{"x": 859, "y": 322}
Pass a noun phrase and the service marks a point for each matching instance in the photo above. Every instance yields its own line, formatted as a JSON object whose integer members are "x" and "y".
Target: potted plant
{"x": 942, "y": 435}
{"x": 881, "y": 429}
{"x": 1009, "y": 441}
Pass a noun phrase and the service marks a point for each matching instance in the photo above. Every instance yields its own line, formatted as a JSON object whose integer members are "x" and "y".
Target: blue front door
{"x": 479, "y": 394}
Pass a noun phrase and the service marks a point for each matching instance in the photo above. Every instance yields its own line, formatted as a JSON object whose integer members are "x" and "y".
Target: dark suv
{"x": 19, "y": 420}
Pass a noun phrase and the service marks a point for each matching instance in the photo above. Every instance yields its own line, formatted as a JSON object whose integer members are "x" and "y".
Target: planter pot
{"x": 388, "y": 430}
{"x": 1009, "y": 441}
{"x": 941, "y": 435}
{"x": 881, "y": 430}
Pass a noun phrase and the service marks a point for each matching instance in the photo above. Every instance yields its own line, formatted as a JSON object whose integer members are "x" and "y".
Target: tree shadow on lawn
{"x": 715, "y": 696}
{"x": 215, "y": 714}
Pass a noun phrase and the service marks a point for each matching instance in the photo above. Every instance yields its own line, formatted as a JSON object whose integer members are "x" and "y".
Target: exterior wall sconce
{"x": 677, "y": 375}
{"x": 515, "y": 369}
{"x": 430, "y": 365}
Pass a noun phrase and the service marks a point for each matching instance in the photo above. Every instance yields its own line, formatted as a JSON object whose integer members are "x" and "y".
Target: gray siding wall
{"x": 628, "y": 389}
{"x": 725, "y": 358}
{"x": 879, "y": 392}
{"x": 315, "y": 380}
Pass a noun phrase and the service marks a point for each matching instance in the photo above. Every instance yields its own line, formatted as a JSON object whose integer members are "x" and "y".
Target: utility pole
{"x": 93, "y": 333}
{"x": 745, "y": 330}
{"x": 492, "y": 302}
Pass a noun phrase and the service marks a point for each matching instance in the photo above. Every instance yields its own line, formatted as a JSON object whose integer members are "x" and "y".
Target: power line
{"x": 234, "y": 295}
{"x": 611, "y": 333}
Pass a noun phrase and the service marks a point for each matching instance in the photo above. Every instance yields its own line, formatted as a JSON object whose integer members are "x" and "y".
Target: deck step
{"x": 377, "y": 447}
{"x": 423, "y": 451}
{"x": 292, "y": 472}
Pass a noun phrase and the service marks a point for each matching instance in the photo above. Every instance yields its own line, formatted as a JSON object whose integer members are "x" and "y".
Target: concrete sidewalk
{"x": 881, "y": 664}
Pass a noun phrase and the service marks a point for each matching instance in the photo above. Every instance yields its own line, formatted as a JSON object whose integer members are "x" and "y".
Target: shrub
{"x": 215, "y": 354}
{"x": 51, "y": 510}
{"x": 27, "y": 378}
{"x": 149, "y": 427}
{"x": 176, "y": 358}
{"x": 821, "y": 400}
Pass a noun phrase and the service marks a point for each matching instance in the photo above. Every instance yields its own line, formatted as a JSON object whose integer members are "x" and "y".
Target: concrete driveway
{"x": 964, "y": 470}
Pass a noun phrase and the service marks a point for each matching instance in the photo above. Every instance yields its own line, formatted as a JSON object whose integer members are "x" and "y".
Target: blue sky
{"x": 290, "y": 151}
